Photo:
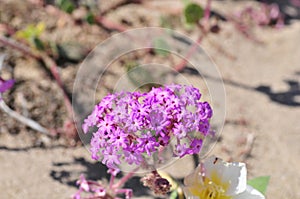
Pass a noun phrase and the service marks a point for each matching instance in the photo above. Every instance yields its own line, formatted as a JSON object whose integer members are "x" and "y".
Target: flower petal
{"x": 188, "y": 194}
{"x": 194, "y": 177}
{"x": 192, "y": 182}
{"x": 232, "y": 174}
{"x": 250, "y": 193}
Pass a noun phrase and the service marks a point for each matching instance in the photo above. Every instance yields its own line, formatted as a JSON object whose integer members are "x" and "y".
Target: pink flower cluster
{"x": 98, "y": 190}
{"x": 132, "y": 125}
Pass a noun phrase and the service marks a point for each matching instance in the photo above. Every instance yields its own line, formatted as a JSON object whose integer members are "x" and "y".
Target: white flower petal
{"x": 235, "y": 174}
{"x": 194, "y": 178}
{"x": 188, "y": 193}
{"x": 250, "y": 193}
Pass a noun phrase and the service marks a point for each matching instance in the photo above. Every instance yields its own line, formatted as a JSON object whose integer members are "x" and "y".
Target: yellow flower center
{"x": 212, "y": 188}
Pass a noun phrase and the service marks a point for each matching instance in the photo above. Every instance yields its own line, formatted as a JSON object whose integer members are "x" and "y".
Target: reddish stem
{"x": 111, "y": 181}
{"x": 207, "y": 10}
{"x": 204, "y": 31}
{"x": 109, "y": 25}
{"x": 54, "y": 71}
{"x": 124, "y": 179}
{"x": 119, "y": 4}
{"x": 191, "y": 51}
{"x": 23, "y": 49}
{"x": 9, "y": 30}
{"x": 39, "y": 56}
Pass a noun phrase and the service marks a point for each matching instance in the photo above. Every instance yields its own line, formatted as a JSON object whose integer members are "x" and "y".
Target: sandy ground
{"x": 268, "y": 118}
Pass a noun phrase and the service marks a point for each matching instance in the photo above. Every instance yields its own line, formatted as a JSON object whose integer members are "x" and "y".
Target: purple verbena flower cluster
{"x": 133, "y": 125}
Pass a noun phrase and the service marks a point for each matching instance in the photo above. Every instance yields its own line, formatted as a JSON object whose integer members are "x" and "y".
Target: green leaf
{"x": 31, "y": 34}
{"x": 90, "y": 18}
{"x": 174, "y": 194}
{"x": 66, "y": 5}
{"x": 39, "y": 28}
{"x": 161, "y": 47}
{"x": 260, "y": 183}
{"x": 31, "y": 31}
{"x": 38, "y": 44}
{"x": 193, "y": 13}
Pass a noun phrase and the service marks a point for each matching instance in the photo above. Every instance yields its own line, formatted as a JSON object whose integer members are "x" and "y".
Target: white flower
{"x": 216, "y": 179}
